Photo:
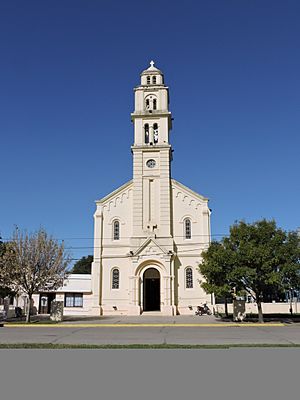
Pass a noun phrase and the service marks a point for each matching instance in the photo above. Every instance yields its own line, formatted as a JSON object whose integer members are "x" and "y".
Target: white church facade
{"x": 150, "y": 232}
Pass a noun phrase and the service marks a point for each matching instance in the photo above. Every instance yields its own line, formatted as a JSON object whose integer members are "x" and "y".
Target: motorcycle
{"x": 203, "y": 310}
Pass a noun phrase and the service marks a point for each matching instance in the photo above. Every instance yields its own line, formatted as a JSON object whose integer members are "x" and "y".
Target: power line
{"x": 116, "y": 246}
{"x": 152, "y": 254}
{"x": 128, "y": 237}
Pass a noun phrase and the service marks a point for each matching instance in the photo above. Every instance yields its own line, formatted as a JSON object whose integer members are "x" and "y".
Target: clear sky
{"x": 67, "y": 72}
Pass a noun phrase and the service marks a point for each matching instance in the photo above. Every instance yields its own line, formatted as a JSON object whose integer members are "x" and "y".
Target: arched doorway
{"x": 151, "y": 290}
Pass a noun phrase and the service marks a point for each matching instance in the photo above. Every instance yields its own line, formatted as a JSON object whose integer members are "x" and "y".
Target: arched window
{"x": 148, "y": 80}
{"x": 146, "y": 133}
{"x": 115, "y": 281}
{"x": 154, "y": 104}
{"x": 187, "y": 228}
{"x": 189, "y": 278}
{"x": 147, "y": 104}
{"x": 155, "y": 133}
{"x": 116, "y": 230}
{"x": 154, "y": 80}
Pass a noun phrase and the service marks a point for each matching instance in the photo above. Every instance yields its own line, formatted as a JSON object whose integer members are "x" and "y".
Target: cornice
{"x": 115, "y": 192}
{"x": 189, "y": 191}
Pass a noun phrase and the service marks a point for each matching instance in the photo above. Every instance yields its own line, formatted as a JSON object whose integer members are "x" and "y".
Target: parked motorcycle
{"x": 203, "y": 310}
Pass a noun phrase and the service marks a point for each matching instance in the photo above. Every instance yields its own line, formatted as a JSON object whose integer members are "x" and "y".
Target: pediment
{"x": 150, "y": 247}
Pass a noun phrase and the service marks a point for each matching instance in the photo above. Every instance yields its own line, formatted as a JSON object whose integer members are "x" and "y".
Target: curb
{"x": 217, "y": 325}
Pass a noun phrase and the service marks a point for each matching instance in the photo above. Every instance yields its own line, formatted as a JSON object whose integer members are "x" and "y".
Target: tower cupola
{"x": 152, "y": 76}
{"x": 151, "y": 117}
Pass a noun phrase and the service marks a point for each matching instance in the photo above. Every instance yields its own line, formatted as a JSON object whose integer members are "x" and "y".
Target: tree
{"x": 290, "y": 275}
{"x": 4, "y": 290}
{"x": 83, "y": 266}
{"x": 34, "y": 263}
{"x": 256, "y": 258}
{"x": 215, "y": 268}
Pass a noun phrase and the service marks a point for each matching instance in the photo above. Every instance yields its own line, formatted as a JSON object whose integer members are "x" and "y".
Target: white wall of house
{"x": 268, "y": 308}
{"x": 79, "y": 284}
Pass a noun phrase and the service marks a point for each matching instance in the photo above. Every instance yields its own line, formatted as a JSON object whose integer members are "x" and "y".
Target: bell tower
{"x": 152, "y": 156}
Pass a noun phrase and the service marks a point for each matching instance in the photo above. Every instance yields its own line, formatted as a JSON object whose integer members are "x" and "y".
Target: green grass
{"x": 56, "y": 346}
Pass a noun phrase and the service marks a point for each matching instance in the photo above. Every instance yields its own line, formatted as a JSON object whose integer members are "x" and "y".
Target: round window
{"x": 151, "y": 163}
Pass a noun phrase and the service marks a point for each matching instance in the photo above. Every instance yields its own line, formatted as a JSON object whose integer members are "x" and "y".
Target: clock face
{"x": 151, "y": 163}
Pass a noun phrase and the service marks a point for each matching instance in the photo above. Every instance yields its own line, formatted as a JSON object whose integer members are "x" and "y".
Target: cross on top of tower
{"x": 152, "y": 67}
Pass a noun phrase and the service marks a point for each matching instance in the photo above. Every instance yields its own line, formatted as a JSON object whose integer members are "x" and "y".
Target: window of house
{"x": 73, "y": 300}
{"x": 189, "y": 278}
{"x": 148, "y": 80}
{"x": 154, "y": 80}
{"x": 115, "y": 278}
{"x": 116, "y": 233}
{"x": 187, "y": 228}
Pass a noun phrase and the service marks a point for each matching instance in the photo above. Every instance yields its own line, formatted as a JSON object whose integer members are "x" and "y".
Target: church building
{"x": 150, "y": 232}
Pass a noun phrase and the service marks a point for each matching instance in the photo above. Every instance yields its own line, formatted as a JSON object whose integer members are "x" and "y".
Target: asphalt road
{"x": 235, "y": 374}
{"x": 152, "y": 332}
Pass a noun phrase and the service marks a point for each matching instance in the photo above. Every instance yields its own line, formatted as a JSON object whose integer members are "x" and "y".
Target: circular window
{"x": 151, "y": 163}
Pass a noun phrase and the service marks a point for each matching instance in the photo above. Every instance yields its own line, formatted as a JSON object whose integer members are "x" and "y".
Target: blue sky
{"x": 67, "y": 72}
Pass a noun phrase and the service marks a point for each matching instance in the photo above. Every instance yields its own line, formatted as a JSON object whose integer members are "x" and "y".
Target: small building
{"x": 76, "y": 294}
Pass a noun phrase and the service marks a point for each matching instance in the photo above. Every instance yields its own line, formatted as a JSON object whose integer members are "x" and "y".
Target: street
{"x": 152, "y": 330}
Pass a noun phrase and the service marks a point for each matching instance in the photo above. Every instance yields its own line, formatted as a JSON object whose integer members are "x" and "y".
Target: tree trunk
{"x": 291, "y": 302}
{"x": 226, "y": 306}
{"x": 260, "y": 313}
{"x": 28, "y": 308}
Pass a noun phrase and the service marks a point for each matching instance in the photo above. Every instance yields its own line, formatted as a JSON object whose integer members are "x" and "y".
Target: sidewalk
{"x": 149, "y": 318}
{"x": 144, "y": 320}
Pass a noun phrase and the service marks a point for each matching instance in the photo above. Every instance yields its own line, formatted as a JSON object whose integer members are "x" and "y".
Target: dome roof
{"x": 151, "y": 69}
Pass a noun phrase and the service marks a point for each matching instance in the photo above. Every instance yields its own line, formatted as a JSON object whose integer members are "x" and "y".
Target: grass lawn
{"x": 49, "y": 346}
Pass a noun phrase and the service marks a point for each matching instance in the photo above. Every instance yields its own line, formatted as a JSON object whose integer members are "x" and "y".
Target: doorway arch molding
{"x": 164, "y": 278}
{"x": 144, "y": 265}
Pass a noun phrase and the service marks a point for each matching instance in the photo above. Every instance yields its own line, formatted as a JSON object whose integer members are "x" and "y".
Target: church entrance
{"x": 151, "y": 290}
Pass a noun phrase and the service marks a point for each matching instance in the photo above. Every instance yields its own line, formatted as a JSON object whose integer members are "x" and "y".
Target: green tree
{"x": 4, "y": 290}
{"x": 33, "y": 263}
{"x": 290, "y": 275}
{"x": 83, "y": 266}
{"x": 255, "y": 258}
{"x": 215, "y": 268}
